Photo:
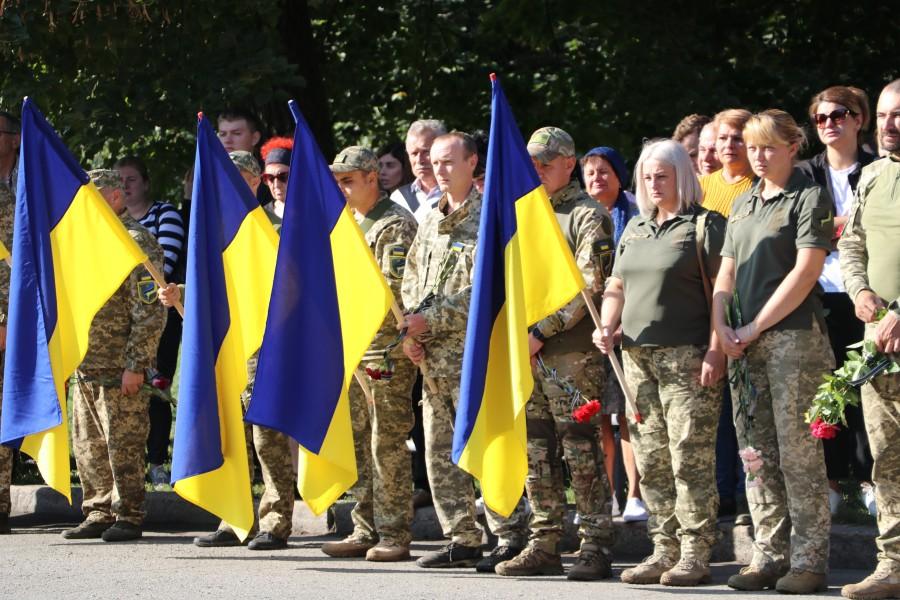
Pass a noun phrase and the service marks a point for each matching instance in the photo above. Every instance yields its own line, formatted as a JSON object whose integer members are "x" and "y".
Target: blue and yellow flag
{"x": 70, "y": 254}
{"x": 524, "y": 271}
{"x": 230, "y": 267}
{"x": 328, "y": 301}
{"x": 4, "y": 251}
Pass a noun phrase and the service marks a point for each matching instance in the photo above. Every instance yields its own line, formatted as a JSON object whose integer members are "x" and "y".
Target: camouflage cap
{"x": 245, "y": 161}
{"x": 106, "y": 179}
{"x": 354, "y": 158}
{"x": 547, "y": 143}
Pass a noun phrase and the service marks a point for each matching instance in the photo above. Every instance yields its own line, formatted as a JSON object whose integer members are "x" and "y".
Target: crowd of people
{"x": 729, "y": 281}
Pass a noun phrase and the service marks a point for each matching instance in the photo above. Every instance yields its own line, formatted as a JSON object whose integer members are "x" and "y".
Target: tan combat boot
{"x": 353, "y": 546}
{"x": 799, "y": 581}
{"x": 883, "y": 583}
{"x": 532, "y": 561}
{"x": 688, "y": 572}
{"x": 753, "y": 578}
{"x": 648, "y": 571}
{"x": 387, "y": 551}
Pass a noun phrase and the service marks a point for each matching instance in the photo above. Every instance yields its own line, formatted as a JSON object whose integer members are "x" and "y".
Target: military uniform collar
{"x": 448, "y": 222}
{"x": 795, "y": 184}
{"x": 571, "y": 190}
{"x": 688, "y": 214}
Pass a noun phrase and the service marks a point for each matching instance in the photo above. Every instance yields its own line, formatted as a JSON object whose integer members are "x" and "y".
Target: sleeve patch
{"x": 146, "y": 289}
{"x": 396, "y": 260}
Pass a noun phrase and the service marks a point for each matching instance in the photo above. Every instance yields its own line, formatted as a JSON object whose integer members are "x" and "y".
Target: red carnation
{"x": 583, "y": 413}
{"x": 160, "y": 382}
{"x": 823, "y": 430}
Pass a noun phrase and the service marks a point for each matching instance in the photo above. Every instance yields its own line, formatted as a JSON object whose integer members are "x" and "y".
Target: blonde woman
{"x": 658, "y": 294}
{"x": 779, "y": 234}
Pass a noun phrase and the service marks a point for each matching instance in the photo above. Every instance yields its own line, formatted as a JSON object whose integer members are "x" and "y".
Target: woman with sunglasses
{"x": 778, "y": 236}
{"x": 276, "y": 154}
{"x": 840, "y": 114}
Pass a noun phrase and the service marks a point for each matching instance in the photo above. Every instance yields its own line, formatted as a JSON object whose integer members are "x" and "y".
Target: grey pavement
{"x": 36, "y": 562}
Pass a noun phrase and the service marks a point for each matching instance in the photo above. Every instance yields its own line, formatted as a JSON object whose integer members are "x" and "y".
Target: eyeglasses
{"x": 837, "y": 117}
{"x": 268, "y": 178}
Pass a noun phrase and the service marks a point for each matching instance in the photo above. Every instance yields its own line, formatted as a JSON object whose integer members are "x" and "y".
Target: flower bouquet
{"x": 583, "y": 409}
{"x": 744, "y": 396}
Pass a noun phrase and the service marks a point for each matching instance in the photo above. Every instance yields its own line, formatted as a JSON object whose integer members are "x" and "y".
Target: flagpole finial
{"x": 493, "y": 77}
{"x": 200, "y": 116}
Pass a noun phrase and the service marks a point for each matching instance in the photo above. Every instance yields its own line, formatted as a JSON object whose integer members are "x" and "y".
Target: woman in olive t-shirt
{"x": 778, "y": 236}
{"x": 657, "y": 292}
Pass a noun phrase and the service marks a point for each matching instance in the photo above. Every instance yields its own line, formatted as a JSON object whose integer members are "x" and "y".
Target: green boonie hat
{"x": 106, "y": 179}
{"x": 245, "y": 161}
{"x": 547, "y": 143}
{"x": 354, "y": 158}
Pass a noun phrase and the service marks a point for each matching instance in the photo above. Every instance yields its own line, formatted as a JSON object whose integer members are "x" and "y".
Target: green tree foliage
{"x": 119, "y": 76}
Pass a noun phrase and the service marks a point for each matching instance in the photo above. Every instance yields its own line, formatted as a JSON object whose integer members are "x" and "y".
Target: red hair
{"x": 284, "y": 143}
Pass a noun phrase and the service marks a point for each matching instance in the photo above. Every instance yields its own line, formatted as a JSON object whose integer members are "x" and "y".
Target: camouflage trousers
{"x": 554, "y": 436}
{"x": 881, "y": 410}
{"x": 276, "y": 506}
{"x": 109, "y": 435}
{"x": 788, "y": 498}
{"x": 453, "y": 489}
{"x": 675, "y": 447}
{"x": 383, "y": 490}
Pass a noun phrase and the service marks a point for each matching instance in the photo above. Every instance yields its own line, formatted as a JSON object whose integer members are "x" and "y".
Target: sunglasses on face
{"x": 837, "y": 117}
{"x": 268, "y": 178}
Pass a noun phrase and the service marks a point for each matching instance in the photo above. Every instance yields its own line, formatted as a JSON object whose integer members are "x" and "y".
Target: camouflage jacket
{"x": 390, "y": 230}
{"x": 7, "y": 216}
{"x": 125, "y": 333}
{"x": 854, "y": 254}
{"x": 442, "y": 261}
{"x": 588, "y": 229}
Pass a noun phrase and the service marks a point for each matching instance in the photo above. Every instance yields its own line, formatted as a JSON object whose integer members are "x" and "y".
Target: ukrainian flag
{"x": 230, "y": 266}
{"x": 4, "y": 251}
{"x": 70, "y": 254}
{"x": 524, "y": 271}
{"x": 328, "y": 301}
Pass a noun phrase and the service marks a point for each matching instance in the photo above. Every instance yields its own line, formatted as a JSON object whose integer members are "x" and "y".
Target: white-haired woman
{"x": 778, "y": 236}
{"x": 659, "y": 291}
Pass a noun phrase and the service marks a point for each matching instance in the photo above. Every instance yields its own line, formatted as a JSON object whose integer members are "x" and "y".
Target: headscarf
{"x": 622, "y": 209}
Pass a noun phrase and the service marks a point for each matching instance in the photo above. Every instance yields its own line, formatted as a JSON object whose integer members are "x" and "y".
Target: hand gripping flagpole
{"x": 161, "y": 282}
{"x": 398, "y": 314}
{"x": 629, "y": 396}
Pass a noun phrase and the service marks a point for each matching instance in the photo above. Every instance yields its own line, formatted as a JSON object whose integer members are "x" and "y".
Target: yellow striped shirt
{"x": 719, "y": 195}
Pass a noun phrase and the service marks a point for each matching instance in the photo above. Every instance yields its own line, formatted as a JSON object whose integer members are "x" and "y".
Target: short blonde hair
{"x": 686, "y": 184}
{"x": 735, "y": 117}
{"x": 773, "y": 126}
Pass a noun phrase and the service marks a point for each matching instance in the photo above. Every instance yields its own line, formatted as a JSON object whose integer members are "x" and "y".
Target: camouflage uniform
{"x": 383, "y": 491}
{"x": 109, "y": 429}
{"x": 788, "y": 496}
{"x": 873, "y": 224}
{"x": 791, "y": 519}
{"x": 665, "y": 337}
{"x": 441, "y": 260}
{"x": 7, "y": 210}
{"x": 568, "y": 349}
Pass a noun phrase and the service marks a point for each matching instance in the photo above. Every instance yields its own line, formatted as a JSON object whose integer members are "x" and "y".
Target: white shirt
{"x": 830, "y": 279}
{"x": 424, "y": 203}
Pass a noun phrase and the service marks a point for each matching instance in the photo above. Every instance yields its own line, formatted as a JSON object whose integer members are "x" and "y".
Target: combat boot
{"x": 799, "y": 581}
{"x": 387, "y": 551}
{"x": 592, "y": 564}
{"x": 648, "y": 571}
{"x": 266, "y": 540}
{"x": 122, "y": 531}
{"x": 498, "y": 555}
{"x": 689, "y": 571}
{"x": 883, "y": 583}
{"x": 753, "y": 578}
{"x": 220, "y": 538}
{"x": 531, "y": 561}
{"x": 87, "y": 530}
{"x": 352, "y": 546}
{"x": 451, "y": 556}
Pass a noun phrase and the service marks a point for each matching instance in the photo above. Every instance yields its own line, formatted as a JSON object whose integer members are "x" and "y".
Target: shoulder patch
{"x": 603, "y": 255}
{"x": 146, "y": 289}
{"x": 396, "y": 254}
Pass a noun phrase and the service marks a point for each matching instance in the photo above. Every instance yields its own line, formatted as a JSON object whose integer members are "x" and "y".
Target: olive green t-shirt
{"x": 763, "y": 237}
{"x": 881, "y": 222}
{"x": 665, "y": 303}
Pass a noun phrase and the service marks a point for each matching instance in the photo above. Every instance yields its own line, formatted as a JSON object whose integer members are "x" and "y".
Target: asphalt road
{"x": 37, "y": 563}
